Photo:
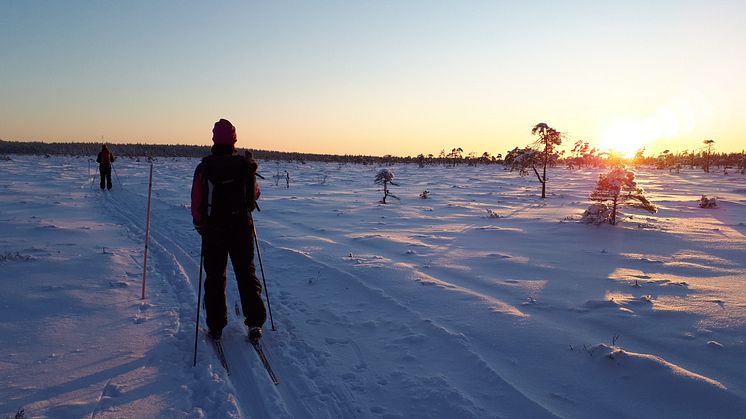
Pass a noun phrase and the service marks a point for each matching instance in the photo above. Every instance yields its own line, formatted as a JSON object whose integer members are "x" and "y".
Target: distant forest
{"x": 179, "y": 150}
{"x": 174, "y": 150}
{"x": 582, "y": 155}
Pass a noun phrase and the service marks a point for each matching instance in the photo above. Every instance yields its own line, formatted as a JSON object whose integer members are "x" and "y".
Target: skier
{"x": 224, "y": 192}
{"x": 104, "y": 160}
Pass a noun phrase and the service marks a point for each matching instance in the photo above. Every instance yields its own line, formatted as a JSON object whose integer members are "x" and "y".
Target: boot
{"x": 255, "y": 333}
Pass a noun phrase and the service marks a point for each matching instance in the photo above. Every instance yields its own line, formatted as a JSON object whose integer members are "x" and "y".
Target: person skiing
{"x": 104, "y": 160}
{"x": 224, "y": 192}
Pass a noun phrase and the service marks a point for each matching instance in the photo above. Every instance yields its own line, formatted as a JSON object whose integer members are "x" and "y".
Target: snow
{"x": 421, "y": 308}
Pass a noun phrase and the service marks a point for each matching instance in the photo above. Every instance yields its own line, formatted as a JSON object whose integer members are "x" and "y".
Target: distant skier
{"x": 104, "y": 160}
{"x": 224, "y": 192}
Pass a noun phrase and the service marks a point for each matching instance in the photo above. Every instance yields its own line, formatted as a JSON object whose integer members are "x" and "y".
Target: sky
{"x": 376, "y": 77}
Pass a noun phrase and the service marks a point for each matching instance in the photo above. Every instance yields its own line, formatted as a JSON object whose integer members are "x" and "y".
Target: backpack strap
{"x": 223, "y": 174}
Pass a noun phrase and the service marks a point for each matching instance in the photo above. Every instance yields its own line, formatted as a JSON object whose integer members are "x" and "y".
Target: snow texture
{"x": 396, "y": 311}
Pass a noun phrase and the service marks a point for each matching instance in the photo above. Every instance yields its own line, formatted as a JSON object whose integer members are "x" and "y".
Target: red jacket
{"x": 105, "y": 157}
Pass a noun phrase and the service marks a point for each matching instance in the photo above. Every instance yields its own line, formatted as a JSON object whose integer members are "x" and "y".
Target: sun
{"x": 626, "y": 136}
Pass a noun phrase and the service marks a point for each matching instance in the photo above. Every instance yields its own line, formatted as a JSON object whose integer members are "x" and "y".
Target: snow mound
{"x": 653, "y": 370}
{"x": 596, "y": 214}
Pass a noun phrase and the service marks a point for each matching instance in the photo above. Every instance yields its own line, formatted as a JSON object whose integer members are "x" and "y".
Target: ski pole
{"x": 117, "y": 174}
{"x": 261, "y": 267}
{"x": 199, "y": 298}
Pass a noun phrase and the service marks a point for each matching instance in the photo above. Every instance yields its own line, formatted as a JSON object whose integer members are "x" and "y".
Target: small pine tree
{"x": 618, "y": 187}
{"x": 386, "y": 177}
{"x": 708, "y": 151}
{"x": 542, "y": 155}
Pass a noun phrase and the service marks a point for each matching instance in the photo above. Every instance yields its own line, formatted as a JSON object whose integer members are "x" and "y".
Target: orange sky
{"x": 375, "y": 77}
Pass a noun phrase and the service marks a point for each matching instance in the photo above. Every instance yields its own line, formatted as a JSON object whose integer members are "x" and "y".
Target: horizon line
{"x": 600, "y": 151}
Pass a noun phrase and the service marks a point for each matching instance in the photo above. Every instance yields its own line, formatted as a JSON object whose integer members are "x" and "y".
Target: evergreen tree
{"x": 708, "y": 151}
{"x": 386, "y": 177}
{"x": 618, "y": 187}
{"x": 540, "y": 153}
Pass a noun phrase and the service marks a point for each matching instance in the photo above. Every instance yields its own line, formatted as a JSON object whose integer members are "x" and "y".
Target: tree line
{"x": 541, "y": 153}
{"x": 174, "y": 150}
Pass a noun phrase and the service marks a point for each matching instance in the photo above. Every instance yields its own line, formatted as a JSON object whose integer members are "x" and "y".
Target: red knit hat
{"x": 224, "y": 133}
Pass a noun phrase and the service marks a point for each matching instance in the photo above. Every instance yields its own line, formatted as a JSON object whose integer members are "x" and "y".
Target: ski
{"x": 217, "y": 344}
{"x": 259, "y": 351}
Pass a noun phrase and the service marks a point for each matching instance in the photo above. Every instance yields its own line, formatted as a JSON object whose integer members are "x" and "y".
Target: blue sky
{"x": 375, "y": 77}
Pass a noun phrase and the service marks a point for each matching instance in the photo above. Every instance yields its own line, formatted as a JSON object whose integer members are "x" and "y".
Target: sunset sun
{"x": 626, "y": 142}
{"x": 626, "y": 136}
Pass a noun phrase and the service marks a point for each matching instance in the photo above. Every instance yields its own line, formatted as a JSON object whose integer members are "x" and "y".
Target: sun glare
{"x": 624, "y": 138}
{"x": 628, "y": 136}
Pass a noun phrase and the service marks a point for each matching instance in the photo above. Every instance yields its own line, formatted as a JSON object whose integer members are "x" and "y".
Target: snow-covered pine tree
{"x": 618, "y": 187}
{"x": 386, "y": 177}
{"x": 541, "y": 153}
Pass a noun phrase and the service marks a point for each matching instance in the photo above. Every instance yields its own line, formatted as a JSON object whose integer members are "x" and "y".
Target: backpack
{"x": 230, "y": 190}
{"x": 105, "y": 157}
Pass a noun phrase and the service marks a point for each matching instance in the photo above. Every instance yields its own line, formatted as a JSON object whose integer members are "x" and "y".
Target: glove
{"x": 200, "y": 229}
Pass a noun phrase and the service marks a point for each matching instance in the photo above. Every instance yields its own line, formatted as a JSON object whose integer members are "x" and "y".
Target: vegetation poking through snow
{"x": 708, "y": 202}
{"x": 14, "y": 257}
{"x": 386, "y": 177}
{"x": 618, "y": 187}
{"x": 20, "y": 414}
{"x": 492, "y": 214}
{"x": 277, "y": 176}
{"x": 596, "y": 214}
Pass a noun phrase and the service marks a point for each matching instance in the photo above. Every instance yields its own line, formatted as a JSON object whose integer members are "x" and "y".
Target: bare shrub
{"x": 708, "y": 202}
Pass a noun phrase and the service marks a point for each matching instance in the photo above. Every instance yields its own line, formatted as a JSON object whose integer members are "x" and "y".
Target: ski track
{"x": 169, "y": 270}
{"x": 418, "y": 325}
{"x": 257, "y": 397}
{"x": 338, "y": 337}
{"x": 305, "y": 390}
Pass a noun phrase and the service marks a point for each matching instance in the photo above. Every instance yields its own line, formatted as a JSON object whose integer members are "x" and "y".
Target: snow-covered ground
{"x": 425, "y": 308}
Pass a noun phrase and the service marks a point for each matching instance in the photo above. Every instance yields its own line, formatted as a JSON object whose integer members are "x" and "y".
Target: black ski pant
{"x": 105, "y": 176}
{"x": 238, "y": 243}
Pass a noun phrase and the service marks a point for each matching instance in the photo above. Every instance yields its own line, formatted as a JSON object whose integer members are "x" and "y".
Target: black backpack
{"x": 230, "y": 189}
